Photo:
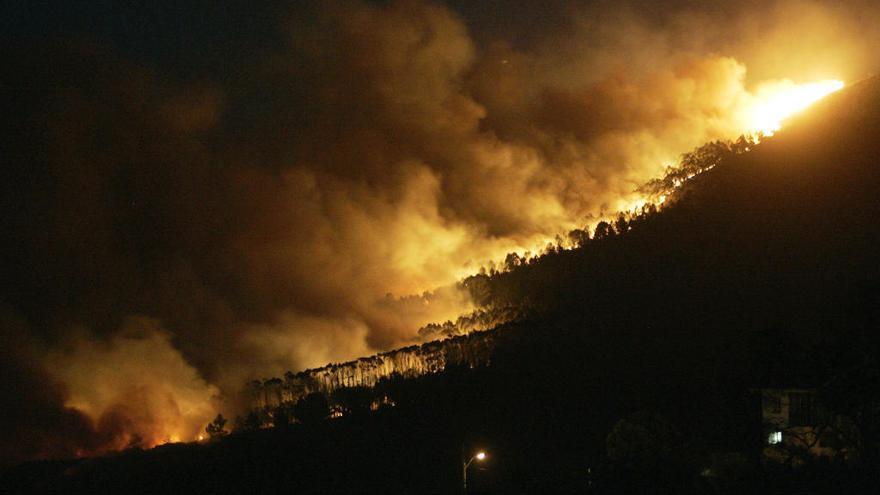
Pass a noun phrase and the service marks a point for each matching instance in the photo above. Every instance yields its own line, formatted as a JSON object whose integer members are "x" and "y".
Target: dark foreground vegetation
{"x": 635, "y": 370}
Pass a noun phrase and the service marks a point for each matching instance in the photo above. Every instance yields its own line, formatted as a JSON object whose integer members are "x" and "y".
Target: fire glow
{"x": 772, "y": 103}
{"x": 777, "y": 101}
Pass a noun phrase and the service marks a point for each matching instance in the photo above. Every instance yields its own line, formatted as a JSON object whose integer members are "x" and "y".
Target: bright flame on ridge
{"x": 777, "y": 101}
{"x": 764, "y": 111}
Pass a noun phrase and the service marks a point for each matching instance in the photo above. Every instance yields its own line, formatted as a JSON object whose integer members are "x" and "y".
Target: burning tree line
{"x": 346, "y": 388}
{"x": 339, "y": 389}
{"x": 656, "y": 194}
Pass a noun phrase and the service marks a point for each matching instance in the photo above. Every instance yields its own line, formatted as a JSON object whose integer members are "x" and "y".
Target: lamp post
{"x": 480, "y": 456}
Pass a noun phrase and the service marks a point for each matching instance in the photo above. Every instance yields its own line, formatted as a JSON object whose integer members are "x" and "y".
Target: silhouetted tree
{"x": 603, "y": 229}
{"x": 272, "y": 391}
{"x": 512, "y": 261}
{"x": 251, "y": 422}
{"x": 216, "y": 429}
{"x": 621, "y": 225}
{"x": 282, "y": 416}
{"x": 579, "y": 237}
{"x": 312, "y": 408}
{"x": 853, "y": 395}
{"x": 353, "y": 401}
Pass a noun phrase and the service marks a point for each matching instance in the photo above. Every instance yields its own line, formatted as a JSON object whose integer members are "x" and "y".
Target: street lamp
{"x": 479, "y": 456}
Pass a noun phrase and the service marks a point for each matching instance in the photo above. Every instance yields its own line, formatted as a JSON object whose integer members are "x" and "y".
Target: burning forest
{"x": 221, "y": 212}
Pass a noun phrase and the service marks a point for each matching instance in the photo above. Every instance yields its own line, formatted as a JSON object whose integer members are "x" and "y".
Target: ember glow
{"x": 768, "y": 107}
{"x": 137, "y": 390}
{"x": 775, "y": 102}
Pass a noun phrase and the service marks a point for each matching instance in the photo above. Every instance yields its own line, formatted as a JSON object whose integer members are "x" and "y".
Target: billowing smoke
{"x": 315, "y": 197}
{"x": 136, "y": 384}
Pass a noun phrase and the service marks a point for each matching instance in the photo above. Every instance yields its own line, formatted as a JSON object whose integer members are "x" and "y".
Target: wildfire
{"x": 763, "y": 113}
{"x": 777, "y": 101}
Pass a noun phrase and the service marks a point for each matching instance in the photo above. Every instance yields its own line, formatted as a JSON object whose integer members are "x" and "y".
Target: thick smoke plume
{"x": 137, "y": 385}
{"x": 315, "y": 197}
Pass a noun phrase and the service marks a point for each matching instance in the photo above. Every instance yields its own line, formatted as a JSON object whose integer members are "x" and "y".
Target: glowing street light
{"x": 480, "y": 456}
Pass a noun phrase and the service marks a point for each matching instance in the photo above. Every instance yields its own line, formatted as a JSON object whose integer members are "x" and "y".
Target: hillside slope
{"x": 784, "y": 236}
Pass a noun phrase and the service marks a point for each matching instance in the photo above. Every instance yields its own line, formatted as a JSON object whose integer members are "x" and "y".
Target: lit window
{"x": 774, "y": 437}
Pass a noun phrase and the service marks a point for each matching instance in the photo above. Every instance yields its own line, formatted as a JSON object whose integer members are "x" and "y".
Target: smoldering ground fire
{"x": 251, "y": 216}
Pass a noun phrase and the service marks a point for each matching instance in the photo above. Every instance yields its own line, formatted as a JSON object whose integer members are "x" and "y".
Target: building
{"x": 797, "y": 427}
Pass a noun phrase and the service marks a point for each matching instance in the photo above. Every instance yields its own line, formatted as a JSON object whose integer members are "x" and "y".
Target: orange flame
{"x": 777, "y": 101}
